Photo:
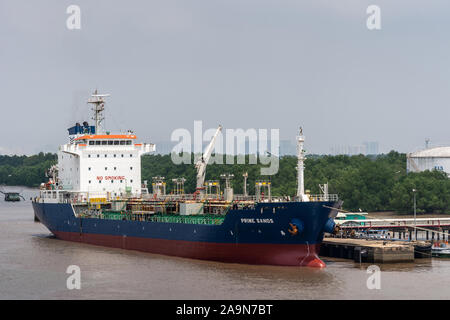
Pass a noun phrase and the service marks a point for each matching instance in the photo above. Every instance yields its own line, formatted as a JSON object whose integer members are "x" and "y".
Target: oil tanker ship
{"x": 94, "y": 195}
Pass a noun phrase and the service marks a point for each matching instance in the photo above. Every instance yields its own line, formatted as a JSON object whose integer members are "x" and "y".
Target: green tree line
{"x": 25, "y": 170}
{"x": 369, "y": 183}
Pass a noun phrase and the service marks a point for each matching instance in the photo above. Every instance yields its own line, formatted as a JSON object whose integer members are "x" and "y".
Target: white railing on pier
{"x": 393, "y": 223}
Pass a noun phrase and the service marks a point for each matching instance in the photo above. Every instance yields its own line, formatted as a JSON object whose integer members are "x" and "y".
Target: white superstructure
{"x": 98, "y": 163}
{"x": 429, "y": 159}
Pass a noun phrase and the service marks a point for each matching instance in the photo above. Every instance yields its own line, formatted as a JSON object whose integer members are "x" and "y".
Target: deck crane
{"x": 201, "y": 163}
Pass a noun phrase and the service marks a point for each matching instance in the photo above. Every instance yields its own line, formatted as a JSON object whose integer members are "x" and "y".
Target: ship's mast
{"x": 300, "y": 166}
{"x": 98, "y": 102}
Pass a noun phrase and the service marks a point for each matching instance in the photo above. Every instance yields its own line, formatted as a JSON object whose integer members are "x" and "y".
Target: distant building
{"x": 347, "y": 150}
{"x": 429, "y": 159}
{"x": 365, "y": 148}
{"x": 287, "y": 147}
{"x": 371, "y": 147}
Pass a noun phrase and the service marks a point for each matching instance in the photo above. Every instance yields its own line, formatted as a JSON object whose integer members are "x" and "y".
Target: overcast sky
{"x": 239, "y": 63}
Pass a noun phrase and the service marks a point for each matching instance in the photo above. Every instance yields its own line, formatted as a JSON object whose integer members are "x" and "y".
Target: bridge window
{"x": 122, "y": 142}
{"x": 98, "y": 142}
{"x": 116, "y": 142}
{"x": 128, "y": 142}
{"x": 110, "y": 142}
{"x": 91, "y": 143}
{"x": 104, "y": 142}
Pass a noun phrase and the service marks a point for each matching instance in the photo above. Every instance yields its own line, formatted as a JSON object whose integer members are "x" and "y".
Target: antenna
{"x": 98, "y": 102}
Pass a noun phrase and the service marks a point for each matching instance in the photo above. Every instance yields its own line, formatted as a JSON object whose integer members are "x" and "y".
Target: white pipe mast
{"x": 300, "y": 167}
{"x": 203, "y": 161}
{"x": 245, "y": 175}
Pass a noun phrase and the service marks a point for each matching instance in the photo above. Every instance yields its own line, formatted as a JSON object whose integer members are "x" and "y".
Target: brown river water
{"x": 33, "y": 265}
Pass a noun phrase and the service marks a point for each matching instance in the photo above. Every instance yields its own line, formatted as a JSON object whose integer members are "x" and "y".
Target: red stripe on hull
{"x": 269, "y": 254}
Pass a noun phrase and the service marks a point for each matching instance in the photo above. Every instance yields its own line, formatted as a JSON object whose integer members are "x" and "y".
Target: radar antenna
{"x": 98, "y": 102}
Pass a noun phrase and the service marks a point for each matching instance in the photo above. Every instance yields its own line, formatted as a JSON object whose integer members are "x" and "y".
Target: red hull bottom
{"x": 267, "y": 254}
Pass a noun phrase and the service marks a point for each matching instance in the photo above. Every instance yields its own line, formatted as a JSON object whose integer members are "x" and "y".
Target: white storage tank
{"x": 429, "y": 159}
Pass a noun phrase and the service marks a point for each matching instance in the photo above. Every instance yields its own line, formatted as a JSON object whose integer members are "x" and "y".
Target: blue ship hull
{"x": 281, "y": 233}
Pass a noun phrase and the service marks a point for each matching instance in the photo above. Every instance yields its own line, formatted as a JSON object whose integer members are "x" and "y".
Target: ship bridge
{"x": 106, "y": 139}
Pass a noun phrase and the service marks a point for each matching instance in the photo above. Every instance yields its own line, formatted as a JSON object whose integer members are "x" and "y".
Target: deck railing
{"x": 323, "y": 197}
{"x": 91, "y": 197}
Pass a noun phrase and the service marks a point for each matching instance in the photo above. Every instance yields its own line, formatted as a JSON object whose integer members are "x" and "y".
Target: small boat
{"x": 12, "y": 196}
{"x": 440, "y": 250}
{"x": 422, "y": 250}
{"x": 377, "y": 234}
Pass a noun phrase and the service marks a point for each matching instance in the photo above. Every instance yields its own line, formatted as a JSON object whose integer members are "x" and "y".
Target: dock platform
{"x": 362, "y": 250}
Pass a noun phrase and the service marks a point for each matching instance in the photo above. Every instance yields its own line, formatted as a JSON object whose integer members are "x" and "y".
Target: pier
{"x": 363, "y": 250}
{"x": 403, "y": 228}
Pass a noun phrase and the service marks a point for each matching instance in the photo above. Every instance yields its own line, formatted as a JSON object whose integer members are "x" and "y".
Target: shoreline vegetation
{"x": 370, "y": 183}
